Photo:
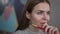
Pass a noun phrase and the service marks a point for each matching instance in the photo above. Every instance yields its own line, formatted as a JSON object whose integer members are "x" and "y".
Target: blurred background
{"x": 11, "y": 10}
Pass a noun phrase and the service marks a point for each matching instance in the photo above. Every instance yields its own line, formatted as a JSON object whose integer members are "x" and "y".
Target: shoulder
{"x": 21, "y": 32}
{"x": 18, "y": 32}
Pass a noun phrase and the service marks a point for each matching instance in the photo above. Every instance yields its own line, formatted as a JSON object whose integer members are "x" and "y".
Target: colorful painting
{"x": 8, "y": 19}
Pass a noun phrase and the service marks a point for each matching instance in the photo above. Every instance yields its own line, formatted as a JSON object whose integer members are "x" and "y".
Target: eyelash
{"x": 48, "y": 12}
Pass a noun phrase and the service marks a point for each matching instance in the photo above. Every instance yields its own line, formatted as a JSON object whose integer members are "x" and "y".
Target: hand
{"x": 50, "y": 29}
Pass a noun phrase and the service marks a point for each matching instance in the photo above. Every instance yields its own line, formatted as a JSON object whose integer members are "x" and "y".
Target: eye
{"x": 48, "y": 12}
{"x": 40, "y": 12}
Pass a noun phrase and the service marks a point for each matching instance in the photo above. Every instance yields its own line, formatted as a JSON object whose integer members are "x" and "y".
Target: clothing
{"x": 28, "y": 31}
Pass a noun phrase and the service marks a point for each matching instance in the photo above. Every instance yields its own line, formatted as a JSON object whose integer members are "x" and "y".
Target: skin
{"x": 40, "y": 16}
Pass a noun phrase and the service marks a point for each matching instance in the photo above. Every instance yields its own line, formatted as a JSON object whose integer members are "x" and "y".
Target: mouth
{"x": 43, "y": 22}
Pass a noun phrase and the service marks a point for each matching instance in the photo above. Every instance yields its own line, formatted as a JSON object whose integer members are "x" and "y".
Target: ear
{"x": 27, "y": 15}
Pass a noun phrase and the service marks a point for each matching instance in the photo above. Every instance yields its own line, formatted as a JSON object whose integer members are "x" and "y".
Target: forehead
{"x": 42, "y": 6}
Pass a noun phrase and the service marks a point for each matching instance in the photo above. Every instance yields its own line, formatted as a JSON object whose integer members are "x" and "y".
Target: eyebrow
{"x": 43, "y": 11}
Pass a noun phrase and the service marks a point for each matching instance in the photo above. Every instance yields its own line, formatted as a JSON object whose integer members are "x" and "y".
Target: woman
{"x": 35, "y": 18}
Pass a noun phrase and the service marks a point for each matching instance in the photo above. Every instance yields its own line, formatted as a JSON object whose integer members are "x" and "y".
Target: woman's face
{"x": 40, "y": 14}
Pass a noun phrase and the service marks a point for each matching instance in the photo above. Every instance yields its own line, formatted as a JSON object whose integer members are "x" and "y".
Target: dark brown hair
{"x": 24, "y": 22}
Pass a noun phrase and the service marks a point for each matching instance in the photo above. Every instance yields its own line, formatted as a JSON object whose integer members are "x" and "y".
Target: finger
{"x": 47, "y": 29}
{"x": 55, "y": 31}
{"x": 44, "y": 25}
{"x": 50, "y": 30}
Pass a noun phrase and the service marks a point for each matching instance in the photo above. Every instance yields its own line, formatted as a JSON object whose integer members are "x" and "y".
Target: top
{"x": 28, "y": 31}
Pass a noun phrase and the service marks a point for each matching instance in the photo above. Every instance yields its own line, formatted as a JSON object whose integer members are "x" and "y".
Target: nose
{"x": 45, "y": 17}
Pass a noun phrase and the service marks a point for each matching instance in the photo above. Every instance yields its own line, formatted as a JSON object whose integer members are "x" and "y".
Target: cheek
{"x": 36, "y": 18}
